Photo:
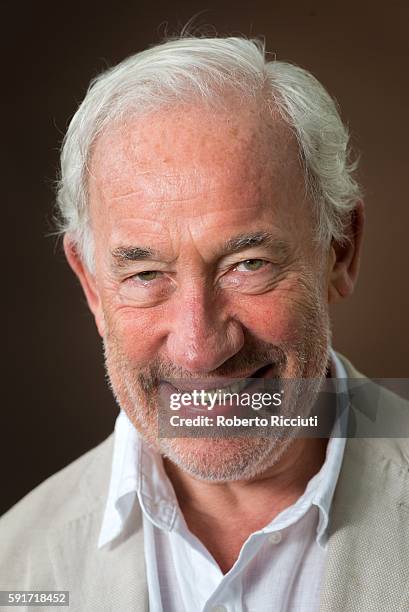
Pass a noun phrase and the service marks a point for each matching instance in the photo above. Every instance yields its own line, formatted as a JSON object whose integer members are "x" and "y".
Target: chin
{"x": 222, "y": 459}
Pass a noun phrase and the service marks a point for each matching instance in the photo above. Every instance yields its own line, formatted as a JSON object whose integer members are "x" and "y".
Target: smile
{"x": 207, "y": 392}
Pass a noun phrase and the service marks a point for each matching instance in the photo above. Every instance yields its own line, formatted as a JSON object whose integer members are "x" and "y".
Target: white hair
{"x": 203, "y": 68}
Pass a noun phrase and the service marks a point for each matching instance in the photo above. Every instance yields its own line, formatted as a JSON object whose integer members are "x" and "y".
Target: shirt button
{"x": 219, "y": 608}
{"x": 275, "y": 537}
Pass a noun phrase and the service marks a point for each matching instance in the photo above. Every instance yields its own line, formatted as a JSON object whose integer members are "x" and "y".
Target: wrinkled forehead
{"x": 194, "y": 148}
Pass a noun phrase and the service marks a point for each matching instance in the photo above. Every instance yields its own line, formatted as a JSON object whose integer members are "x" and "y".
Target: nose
{"x": 202, "y": 335}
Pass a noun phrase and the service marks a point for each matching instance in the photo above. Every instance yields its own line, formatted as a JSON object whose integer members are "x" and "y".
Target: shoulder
{"x": 77, "y": 490}
{"x": 65, "y": 495}
{"x": 379, "y": 419}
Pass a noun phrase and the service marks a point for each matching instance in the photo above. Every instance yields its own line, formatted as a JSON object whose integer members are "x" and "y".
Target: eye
{"x": 146, "y": 288}
{"x": 146, "y": 276}
{"x": 251, "y": 265}
{"x": 251, "y": 276}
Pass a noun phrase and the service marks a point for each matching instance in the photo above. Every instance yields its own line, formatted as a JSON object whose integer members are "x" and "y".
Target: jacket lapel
{"x": 368, "y": 550}
{"x": 110, "y": 578}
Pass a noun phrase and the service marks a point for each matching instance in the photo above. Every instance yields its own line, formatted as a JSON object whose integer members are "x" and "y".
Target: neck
{"x": 223, "y": 515}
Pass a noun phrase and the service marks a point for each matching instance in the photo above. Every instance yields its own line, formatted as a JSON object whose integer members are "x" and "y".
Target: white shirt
{"x": 279, "y": 567}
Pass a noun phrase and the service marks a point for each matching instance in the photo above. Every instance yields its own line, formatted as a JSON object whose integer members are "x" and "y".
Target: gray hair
{"x": 187, "y": 67}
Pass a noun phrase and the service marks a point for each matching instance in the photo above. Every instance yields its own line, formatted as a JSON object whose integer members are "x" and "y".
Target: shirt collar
{"x": 137, "y": 472}
{"x": 328, "y": 475}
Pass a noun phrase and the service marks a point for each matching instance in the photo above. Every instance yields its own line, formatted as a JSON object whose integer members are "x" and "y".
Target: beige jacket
{"x": 49, "y": 539}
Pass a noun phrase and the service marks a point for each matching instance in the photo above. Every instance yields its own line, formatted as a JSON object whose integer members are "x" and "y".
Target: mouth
{"x": 221, "y": 395}
{"x": 232, "y": 384}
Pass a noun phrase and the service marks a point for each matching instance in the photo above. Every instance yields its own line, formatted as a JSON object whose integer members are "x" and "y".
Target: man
{"x": 210, "y": 212}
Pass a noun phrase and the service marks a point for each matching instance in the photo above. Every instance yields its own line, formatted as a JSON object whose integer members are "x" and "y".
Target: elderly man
{"x": 210, "y": 214}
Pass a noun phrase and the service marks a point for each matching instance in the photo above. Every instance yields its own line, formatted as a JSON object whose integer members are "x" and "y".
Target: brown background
{"x": 56, "y": 403}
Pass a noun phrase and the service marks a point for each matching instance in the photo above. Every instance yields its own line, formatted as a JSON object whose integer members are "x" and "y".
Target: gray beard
{"x": 228, "y": 458}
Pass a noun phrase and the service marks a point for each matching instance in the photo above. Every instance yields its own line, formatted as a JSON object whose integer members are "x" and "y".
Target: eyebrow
{"x": 123, "y": 255}
{"x": 248, "y": 241}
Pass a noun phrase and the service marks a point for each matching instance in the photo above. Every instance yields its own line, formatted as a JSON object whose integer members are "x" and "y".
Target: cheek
{"x": 136, "y": 332}
{"x": 280, "y": 317}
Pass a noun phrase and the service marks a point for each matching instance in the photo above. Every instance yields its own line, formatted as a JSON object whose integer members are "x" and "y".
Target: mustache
{"x": 248, "y": 360}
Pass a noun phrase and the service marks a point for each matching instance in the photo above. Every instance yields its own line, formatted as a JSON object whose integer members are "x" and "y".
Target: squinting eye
{"x": 149, "y": 275}
{"x": 146, "y": 288}
{"x": 251, "y": 265}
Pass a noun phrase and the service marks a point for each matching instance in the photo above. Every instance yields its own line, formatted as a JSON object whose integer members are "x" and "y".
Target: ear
{"x": 344, "y": 258}
{"x": 87, "y": 280}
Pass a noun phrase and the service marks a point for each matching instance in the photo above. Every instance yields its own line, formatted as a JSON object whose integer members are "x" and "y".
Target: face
{"x": 205, "y": 268}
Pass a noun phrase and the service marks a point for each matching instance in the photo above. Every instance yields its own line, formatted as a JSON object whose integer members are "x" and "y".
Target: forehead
{"x": 200, "y": 129}
{"x": 185, "y": 163}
